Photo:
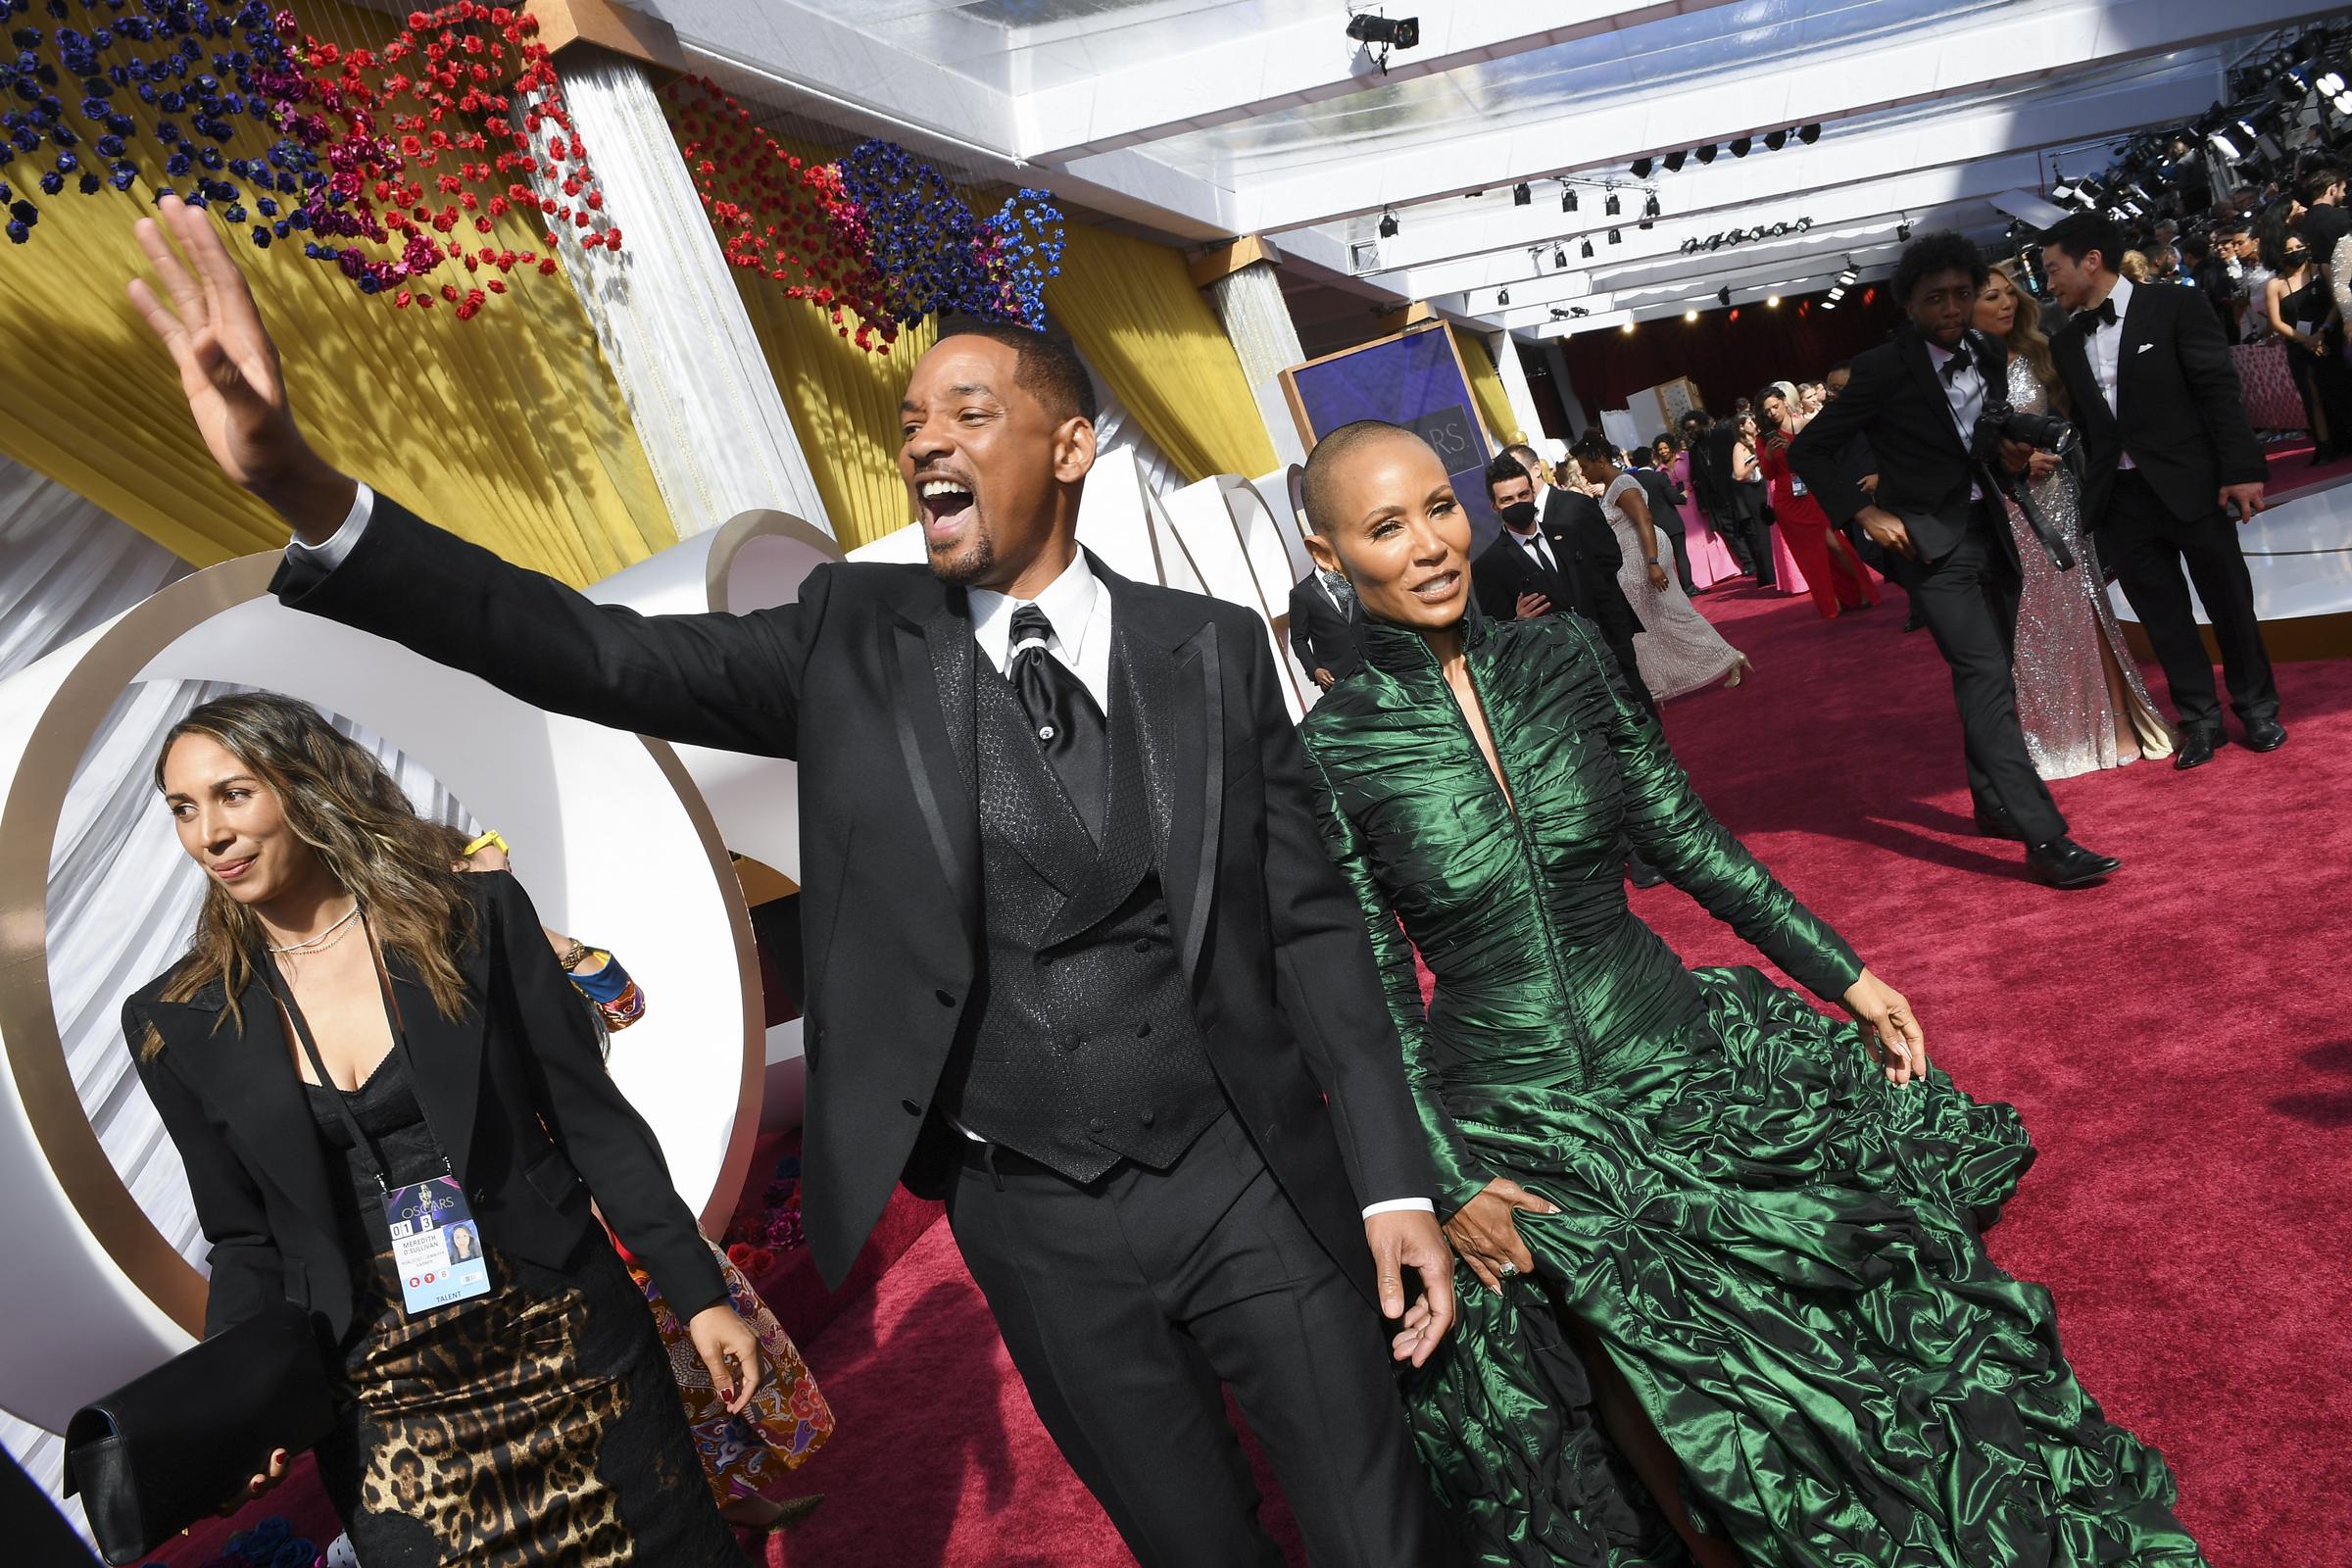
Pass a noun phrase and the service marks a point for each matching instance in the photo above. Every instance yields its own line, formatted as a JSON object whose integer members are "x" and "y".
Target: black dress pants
{"x": 2149, "y": 548}
{"x": 1681, "y": 560}
{"x": 1129, "y": 1304}
{"x": 1968, "y": 598}
{"x": 1732, "y": 528}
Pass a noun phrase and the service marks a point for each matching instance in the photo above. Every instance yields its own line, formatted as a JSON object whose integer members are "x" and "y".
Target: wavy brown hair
{"x": 340, "y": 801}
{"x": 2029, "y": 342}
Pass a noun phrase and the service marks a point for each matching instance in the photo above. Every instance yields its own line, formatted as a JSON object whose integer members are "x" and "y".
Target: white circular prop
{"x": 610, "y": 836}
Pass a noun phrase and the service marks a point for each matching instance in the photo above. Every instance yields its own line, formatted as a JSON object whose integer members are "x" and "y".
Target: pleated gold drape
{"x": 507, "y": 429}
{"x": 1486, "y": 385}
{"x": 1130, "y": 307}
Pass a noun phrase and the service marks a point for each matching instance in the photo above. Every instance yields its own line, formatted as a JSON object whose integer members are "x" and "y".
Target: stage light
{"x": 1690, "y": 245}
{"x": 1626, "y": 328}
{"x": 1567, "y": 198}
{"x": 1612, "y": 207}
{"x": 1673, "y": 161}
{"x": 1714, "y": 242}
{"x": 1642, "y": 167}
{"x": 1779, "y": 229}
{"x": 1723, "y": 295}
{"x": 1775, "y": 140}
{"x": 1521, "y": 195}
{"x": 1706, "y": 154}
{"x": 1849, "y": 275}
{"x": 1616, "y": 238}
{"x": 1740, "y": 146}
{"x": 1587, "y": 250}
{"x": 1771, "y": 302}
{"x": 2330, "y": 84}
{"x": 1650, "y": 207}
{"x": 1560, "y": 256}
{"x": 1502, "y": 296}
{"x": 1388, "y": 224}
{"x": 1828, "y": 305}
{"x": 1803, "y": 223}
{"x": 1689, "y": 316}
{"x": 1903, "y": 230}
{"x": 1808, "y": 134}
{"x": 1401, "y": 32}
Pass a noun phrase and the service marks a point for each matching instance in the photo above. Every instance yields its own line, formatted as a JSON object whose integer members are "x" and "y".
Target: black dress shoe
{"x": 2265, "y": 735}
{"x": 1642, "y": 873}
{"x": 2064, "y": 863}
{"x": 2197, "y": 745}
{"x": 1914, "y": 621}
{"x": 1994, "y": 823}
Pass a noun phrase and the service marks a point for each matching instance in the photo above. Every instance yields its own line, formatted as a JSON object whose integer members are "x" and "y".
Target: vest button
{"x": 1045, "y": 732}
{"x": 910, "y": 1107}
{"x": 1143, "y": 944}
{"x": 1143, "y": 1029}
{"x": 1144, "y": 1115}
{"x": 1096, "y": 1124}
{"x": 945, "y": 999}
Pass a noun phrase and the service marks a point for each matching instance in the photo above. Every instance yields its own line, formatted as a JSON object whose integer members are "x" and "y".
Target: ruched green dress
{"x": 1777, "y": 1247}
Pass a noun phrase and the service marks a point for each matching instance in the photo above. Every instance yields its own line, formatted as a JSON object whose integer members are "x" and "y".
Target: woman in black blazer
{"x": 357, "y": 1026}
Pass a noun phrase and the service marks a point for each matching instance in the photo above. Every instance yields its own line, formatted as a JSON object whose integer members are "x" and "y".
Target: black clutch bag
{"x": 168, "y": 1448}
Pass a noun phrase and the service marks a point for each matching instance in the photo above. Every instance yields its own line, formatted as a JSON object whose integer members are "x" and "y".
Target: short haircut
{"x": 1315, "y": 483}
{"x": 1939, "y": 252}
{"x": 1505, "y": 469}
{"x": 1638, "y": 456}
{"x": 1524, "y": 456}
{"x": 2313, "y": 182}
{"x": 2078, "y": 234}
{"x": 1695, "y": 416}
{"x": 1045, "y": 368}
{"x": 1847, "y": 366}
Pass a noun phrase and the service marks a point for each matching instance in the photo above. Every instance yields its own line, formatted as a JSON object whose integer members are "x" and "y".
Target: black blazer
{"x": 1897, "y": 402}
{"x": 2179, "y": 410}
{"x": 1322, "y": 635}
{"x": 1586, "y": 547}
{"x": 849, "y": 681}
{"x": 1665, "y": 513}
{"x": 515, "y": 1089}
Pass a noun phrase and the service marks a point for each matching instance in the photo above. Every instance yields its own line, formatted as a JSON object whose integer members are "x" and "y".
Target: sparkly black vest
{"x": 1087, "y": 1051}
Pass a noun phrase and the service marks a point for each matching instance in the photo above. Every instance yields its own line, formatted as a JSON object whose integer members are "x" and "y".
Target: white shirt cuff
{"x": 1398, "y": 1205}
{"x": 331, "y": 554}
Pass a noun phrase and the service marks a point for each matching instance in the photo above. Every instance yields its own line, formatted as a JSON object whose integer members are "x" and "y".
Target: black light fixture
{"x": 1723, "y": 295}
{"x": 1502, "y": 296}
{"x": 1740, "y": 146}
{"x": 1398, "y": 32}
{"x": 1809, "y": 134}
{"x": 1612, "y": 206}
{"x": 1775, "y": 140}
{"x": 1560, "y": 256}
{"x": 1587, "y": 251}
{"x": 1521, "y": 195}
{"x": 1388, "y": 224}
{"x": 1650, "y": 207}
{"x": 1849, "y": 275}
{"x": 1567, "y": 198}
{"x": 1690, "y": 245}
{"x": 1673, "y": 161}
{"x": 1903, "y": 230}
{"x": 1706, "y": 154}
{"x": 1642, "y": 167}
{"x": 1616, "y": 238}
{"x": 1714, "y": 242}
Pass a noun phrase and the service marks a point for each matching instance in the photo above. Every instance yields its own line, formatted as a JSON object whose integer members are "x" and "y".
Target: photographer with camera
{"x": 2171, "y": 457}
{"x": 1938, "y": 515}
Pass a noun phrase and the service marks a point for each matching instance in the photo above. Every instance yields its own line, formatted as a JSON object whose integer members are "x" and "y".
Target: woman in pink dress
{"x": 1712, "y": 559}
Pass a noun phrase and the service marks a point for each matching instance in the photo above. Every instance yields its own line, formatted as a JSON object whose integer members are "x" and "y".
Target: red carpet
{"x": 2176, "y": 1040}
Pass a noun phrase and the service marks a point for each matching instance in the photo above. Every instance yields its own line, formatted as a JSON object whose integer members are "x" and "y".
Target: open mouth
{"x": 1437, "y": 590}
{"x": 947, "y": 506}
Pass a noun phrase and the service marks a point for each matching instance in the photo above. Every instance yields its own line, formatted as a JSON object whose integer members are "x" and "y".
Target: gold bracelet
{"x": 575, "y": 956}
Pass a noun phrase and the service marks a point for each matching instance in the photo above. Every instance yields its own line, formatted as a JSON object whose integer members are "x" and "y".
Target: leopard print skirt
{"x": 537, "y": 1424}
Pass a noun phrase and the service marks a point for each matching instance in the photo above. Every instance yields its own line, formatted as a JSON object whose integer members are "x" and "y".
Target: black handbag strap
{"x": 283, "y": 991}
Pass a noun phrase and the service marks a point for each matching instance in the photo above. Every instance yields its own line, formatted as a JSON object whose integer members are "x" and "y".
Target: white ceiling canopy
{"x": 1197, "y": 119}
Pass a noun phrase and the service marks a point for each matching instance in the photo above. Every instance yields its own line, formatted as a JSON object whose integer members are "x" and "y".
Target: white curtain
{"x": 1256, "y": 317}
{"x": 671, "y": 324}
{"x": 122, "y": 894}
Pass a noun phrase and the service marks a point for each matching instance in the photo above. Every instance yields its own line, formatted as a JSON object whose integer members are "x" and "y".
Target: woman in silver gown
{"x": 1676, "y": 649}
{"x": 2079, "y": 698}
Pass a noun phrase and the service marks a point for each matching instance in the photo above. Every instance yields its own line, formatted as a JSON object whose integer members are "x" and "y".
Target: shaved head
{"x": 1316, "y": 490}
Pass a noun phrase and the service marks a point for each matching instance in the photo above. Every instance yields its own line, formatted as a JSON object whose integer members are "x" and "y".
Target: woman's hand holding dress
{"x": 1487, "y": 1236}
{"x": 1893, "y": 1032}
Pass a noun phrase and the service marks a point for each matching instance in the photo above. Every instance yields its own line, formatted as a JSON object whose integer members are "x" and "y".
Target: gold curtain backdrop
{"x": 507, "y": 429}
{"x": 1130, "y": 307}
{"x": 1486, "y": 385}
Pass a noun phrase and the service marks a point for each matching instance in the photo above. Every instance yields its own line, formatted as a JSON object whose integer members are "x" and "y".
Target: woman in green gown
{"x": 1758, "y": 1226}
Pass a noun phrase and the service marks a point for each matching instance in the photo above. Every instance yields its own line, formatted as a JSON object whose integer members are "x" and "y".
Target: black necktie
{"x": 2098, "y": 315}
{"x": 1955, "y": 364}
{"x": 1063, "y": 713}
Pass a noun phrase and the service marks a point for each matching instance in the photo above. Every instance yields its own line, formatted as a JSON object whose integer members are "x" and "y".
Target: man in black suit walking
{"x": 1944, "y": 530}
{"x": 2169, "y": 449}
{"x": 1665, "y": 513}
{"x": 1078, "y": 961}
{"x": 1322, "y": 628}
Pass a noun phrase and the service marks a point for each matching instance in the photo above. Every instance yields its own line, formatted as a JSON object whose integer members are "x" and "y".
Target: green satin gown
{"x": 1778, "y": 1247}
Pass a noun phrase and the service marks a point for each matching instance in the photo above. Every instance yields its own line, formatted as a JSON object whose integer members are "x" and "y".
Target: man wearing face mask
{"x": 1547, "y": 566}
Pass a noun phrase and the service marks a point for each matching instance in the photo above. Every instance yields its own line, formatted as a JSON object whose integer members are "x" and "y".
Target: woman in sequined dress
{"x": 2079, "y": 698}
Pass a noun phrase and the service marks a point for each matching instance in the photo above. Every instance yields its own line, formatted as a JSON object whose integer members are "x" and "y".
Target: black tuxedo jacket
{"x": 1270, "y": 937}
{"x": 1322, "y": 635}
{"x": 2179, "y": 412}
{"x": 515, "y": 1089}
{"x": 1897, "y": 402}
{"x": 1665, "y": 514}
{"x": 1587, "y": 581}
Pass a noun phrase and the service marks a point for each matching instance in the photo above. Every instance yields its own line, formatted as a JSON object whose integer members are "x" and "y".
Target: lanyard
{"x": 285, "y": 992}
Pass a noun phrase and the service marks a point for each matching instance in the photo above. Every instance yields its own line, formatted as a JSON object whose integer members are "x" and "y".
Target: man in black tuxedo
{"x": 1322, "y": 617}
{"x": 1555, "y": 565}
{"x": 1077, "y": 961}
{"x": 1943, "y": 527}
{"x": 2169, "y": 449}
{"x": 1665, "y": 513}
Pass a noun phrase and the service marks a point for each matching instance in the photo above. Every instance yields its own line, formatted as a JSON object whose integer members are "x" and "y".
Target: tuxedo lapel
{"x": 1174, "y": 679}
{"x": 246, "y": 1078}
{"x": 930, "y": 667}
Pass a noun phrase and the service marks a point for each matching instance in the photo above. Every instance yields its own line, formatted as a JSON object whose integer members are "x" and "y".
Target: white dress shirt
{"x": 1075, "y": 601}
{"x": 1537, "y": 547}
{"x": 1965, "y": 392}
{"x": 2103, "y": 345}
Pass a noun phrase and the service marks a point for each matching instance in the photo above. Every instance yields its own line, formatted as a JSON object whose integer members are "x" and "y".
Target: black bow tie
{"x": 2100, "y": 314}
{"x": 1955, "y": 364}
